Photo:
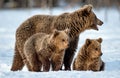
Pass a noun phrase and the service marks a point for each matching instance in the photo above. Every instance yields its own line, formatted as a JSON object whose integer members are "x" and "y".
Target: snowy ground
{"x": 110, "y": 32}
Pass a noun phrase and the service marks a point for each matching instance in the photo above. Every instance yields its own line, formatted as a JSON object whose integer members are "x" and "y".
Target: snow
{"x": 109, "y": 31}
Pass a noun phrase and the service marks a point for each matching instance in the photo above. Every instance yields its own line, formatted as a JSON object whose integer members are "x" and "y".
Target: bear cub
{"x": 89, "y": 56}
{"x": 42, "y": 50}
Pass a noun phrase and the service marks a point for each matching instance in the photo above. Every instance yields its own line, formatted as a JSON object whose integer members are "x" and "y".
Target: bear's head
{"x": 93, "y": 47}
{"x": 60, "y": 39}
{"x": 90, "y": 18}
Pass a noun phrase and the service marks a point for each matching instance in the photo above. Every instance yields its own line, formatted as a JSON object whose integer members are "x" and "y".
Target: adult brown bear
{"x": 78, "y": 21}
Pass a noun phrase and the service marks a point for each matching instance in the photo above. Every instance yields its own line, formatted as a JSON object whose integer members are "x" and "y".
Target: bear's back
{"x": 37, "y": 41}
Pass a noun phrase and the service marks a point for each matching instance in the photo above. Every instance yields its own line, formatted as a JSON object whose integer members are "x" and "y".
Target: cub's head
{"x": 90, "y": 18}
{"x": 93, "y": 47}
{"x": 60, "y": 39}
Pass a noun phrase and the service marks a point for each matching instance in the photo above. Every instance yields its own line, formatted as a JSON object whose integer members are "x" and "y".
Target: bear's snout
{"x": 99, "y": 22}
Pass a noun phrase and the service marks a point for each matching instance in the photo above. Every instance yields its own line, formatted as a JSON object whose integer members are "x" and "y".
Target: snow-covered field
{"x": 110, "y": 32}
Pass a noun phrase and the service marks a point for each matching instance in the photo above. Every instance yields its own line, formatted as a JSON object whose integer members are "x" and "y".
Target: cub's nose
{"x": 101, "y": 54}
{"x": 67, "y": 44}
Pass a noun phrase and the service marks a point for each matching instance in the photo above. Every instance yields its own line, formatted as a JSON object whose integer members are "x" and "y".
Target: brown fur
{"x": 78, "y": 21}
{"x": 89, "y": 56}
{"x": 41, "y": 49}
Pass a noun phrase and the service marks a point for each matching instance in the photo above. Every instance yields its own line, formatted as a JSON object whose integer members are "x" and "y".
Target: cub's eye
{"x": 63, "y": 40}
{"x": 96, "y": 48}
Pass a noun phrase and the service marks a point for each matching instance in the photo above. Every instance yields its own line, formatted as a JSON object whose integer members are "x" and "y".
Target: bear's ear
{"x": 67, "y": 31}
{"x": 99, "y": 40}
{"x": 87, "y": 8}
{"x": 88, "y": 41}
{"x": 55, "y": 33}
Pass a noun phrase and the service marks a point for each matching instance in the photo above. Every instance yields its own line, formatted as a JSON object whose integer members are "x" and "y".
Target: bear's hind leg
{"x": 33, "y": 63}
{"x": 17, "y": 61}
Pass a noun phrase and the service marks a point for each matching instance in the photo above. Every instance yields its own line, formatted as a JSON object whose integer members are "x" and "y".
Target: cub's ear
{"x": 88, "y": 41}
{"x": 67, "y": 31}
{"x": 87, "y": 8}
{"x": 55, "y": 33}
{"x": 99, "y": 40}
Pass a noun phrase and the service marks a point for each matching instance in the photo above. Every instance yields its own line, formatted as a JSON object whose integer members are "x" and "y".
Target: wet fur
{"x": 85, "y": 60}
{"x": 43, "y": 50}
{"x": 78, "y": 21}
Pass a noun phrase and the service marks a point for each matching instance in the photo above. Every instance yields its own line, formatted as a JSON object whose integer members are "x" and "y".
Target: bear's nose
{"x": 101, "y": 23}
